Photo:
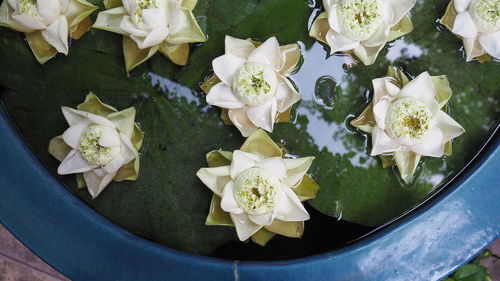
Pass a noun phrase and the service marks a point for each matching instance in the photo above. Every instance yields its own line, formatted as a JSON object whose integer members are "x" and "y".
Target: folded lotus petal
{"x": 184, "y": 28}
{"x": 366, "y": 54}
{"x": 240, "y": 119}
{"x": 99, "y": 120}
{"x": 296, "y": 169}
{"x": 115, "y": 164}
{"x": 386, "y": 12}
{"x": 226, "y": 66}
{"x": 97, "y": 180}
{"x": 333, "y": 20}
{"x": 286, "y": 95}
{"x": 238, "y": 47}
{"x": 111, "y": 20}
{"x": 464, "y": 26}
{"x": 450, "y": 128}
{"x": 392, "y": 89}
{"x": 274, "y": 165}
{"x": 242, "y": 161}
{"x": 128, "y": 25}
{"x": 268, "y": 53}
{"x": 382, "y": 143}
{"x": 72, "y": 135}
{"x": 472, "y": 48}
{"x": 75, "y": 117}
{"x": 265, "y": 219}
{"x": 228, "y": 202}
{"x": 339, "y": 43}
{"x": 127, "y": 149}
{"x": 7, "y": 20}
{"x": 153, "y": 18}
{"x": 400, "y": 9}
{"x": 13, "y": 4}
{"x": 431, "y": 145}
{"x": 491, "y": 43}
{"x": 379, "y": 89}
{"x": 73, "y": 163}
{"x": 28, "y": 21}
{"x": 221, "y": 95}
{"x": 461, "y": 5}
{"x": 379, "y": 37}
{"x": 56, "y": 35}
{"x": 420, "y": 88}
{"x": 264, "y": 115}
{"x": 291, "y": 56}
{"x": 244, "y": 226}
{"x": 154, "y": 37}
{"x": 380, "y": 111}
{"x": 215, "y": 178}
{"x": 289, "y": 208}
{"x": 49, "y": 10}
{"x": 130, "y": 6}
{"x": 109, "y": 137}
{"x": 124, "y": 121}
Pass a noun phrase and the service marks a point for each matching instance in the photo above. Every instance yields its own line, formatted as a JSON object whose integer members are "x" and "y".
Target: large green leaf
{"x": 167, "y": 204}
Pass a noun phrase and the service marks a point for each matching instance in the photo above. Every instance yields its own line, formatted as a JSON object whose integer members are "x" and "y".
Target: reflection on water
{"x": 401, "y": 50}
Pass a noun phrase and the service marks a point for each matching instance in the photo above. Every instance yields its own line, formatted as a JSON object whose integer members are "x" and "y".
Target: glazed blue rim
{"x": 425, "y": 244}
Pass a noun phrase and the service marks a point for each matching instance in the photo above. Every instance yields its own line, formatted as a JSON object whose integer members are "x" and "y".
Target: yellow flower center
{"x": 250, "y": 84}
{"x": 256, "y": 191}
{"x": 359, "y": 19}
{"x": 142, "y": 5}
{"x": 408, "y": 118}
{"x": 95, "y": 154}
{"x": 29, "y": 8}
{"x": 486, "y": 14}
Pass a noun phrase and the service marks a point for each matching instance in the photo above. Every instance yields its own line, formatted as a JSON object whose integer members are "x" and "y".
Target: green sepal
{"x": 365, "y": 121}
{"x": 260, "y": 143}
{"x": 217, "y": 158}
{"x": 449, "y": 16}
{"x": 403, "y": 27}
{"x": 398, "y": 75}
{"x": 94, "y": 105}
{"x": 262, "y": 237}
{"x": 320, "y": 27}
{"x": 387, "y": 160}
{"x": 307, "y": 188}
{"x": 293, "y": 229}
{"x": 217, "y": 216}
{"x": 58, "y": 148}
{"x": 407, "y": 163}
{"x": 80, "y": 181}
{"x": 443, "y": 90}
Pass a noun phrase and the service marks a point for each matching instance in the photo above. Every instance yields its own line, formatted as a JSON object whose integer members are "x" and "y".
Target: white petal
{"x": 99, "y": 120}
{"x": 56, "y": 35}
{"x": 464, "y": 26}
{"x": 286, "y": 95}
{"x": 400, "y": 9}
{"x": 240, "y": 120}
{"x": 73, "y": 116}
{"x": 127, "y": 149}
{"x": 296, "y": 169}
{"x": 268, "y": 53}
{"x": 264, "y": 115}
{"x": 115, "y": 164}
{"x": 50, "y": 10}
{"x": 379, "y": 37}
{"x": 12, "y": 3}
{"x": 97, "y": 180}
{"x": 274, "y": 165}
{"x": 420, "y": 88}
{"x": 222, "y": 96}
{"x": 333, "y": 20}
{"x": 431, "y": 145}
{"x": 472, "y": 48}
{"x": 241, "y": 162}
{"x": 215, "y": 178}
{"x": 382, "y": 142}
{"x": 111, "y": 20}
{"x": 386, "y": 11}
{"x": 74, "y": 163}
{"x": 28, "y": 21}
{"x": 109, "y": 137}
{"x": 226, "y": 66}
{"x": 450, "y": 128}
{"x": 265, "y": 219}
{"x": 72, "y": 135}
{"x": 238, "y": 47}
{"x": 128, "y": 25}
{"x": 328, "y": 4}
{"x": 154, "y": 37}
{"x": 380, "y": 90}
{"x": 228, "y": 202}
{"x": 380, "y": 111}
{"x": 461, "y": 5}
{"x": 154, "y": 18}
{"x": 392, "y": 89}
{"x": 339, "y": 42}
{"x": 290, "y": 208}
{"x": 244, "y": 226}
{"x": 491, "y": 43}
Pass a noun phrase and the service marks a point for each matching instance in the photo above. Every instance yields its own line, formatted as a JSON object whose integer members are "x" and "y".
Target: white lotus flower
{"x": 362, "y": 27}
{"x": 477, "y": 22}
{"x": 256, "y": 191}
{"x": 410, "y": 118}
{"x": 254, "y": 86}
{"x": 98, "y": 146}
{"x": 50, "y": 20}
{"x": 153, "y": 25}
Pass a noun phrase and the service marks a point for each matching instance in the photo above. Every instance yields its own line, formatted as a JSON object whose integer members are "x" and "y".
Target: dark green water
{"x": 168, "y": 204}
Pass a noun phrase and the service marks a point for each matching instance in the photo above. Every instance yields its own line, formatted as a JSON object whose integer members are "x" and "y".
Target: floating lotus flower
{"x": 477, "y": 23}
{"x": 149, "y": 26}
{"x": 407, "y": 121}
{"x": 251, "y": 83}
{"x": 47, "y": 23}
{"x": 101, "y": 142}
{"x": 258, "y": 191}
{"x": 362, "y": 27}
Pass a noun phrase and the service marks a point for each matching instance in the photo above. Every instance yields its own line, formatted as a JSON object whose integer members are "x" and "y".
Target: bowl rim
{"x": 67, "y": 234}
